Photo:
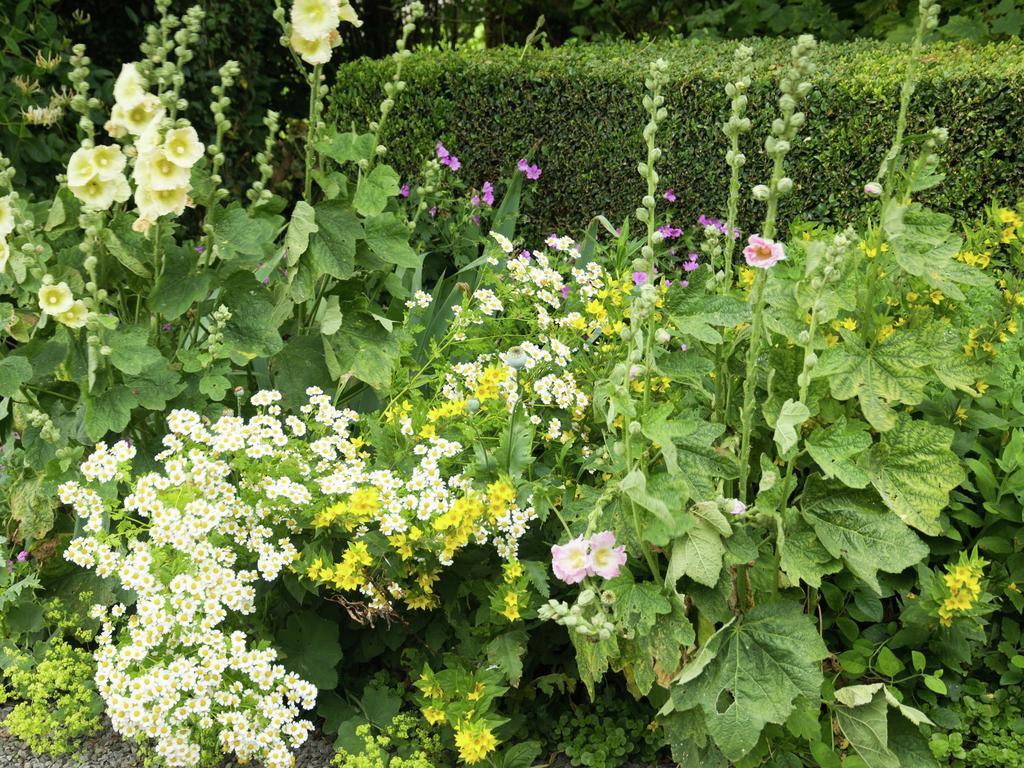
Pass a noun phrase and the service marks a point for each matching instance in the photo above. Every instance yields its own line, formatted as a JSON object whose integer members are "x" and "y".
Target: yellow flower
{"x": 421, "y": 602}
{"x": 912, "y": 297}
{"x": 848, "y": 323}
{"x": 428, "y": 431}
{"x": 501, "y": 495}
{"x": 885, "y": 332}
{"x": 981, "y": 386}
{"x": 492, "y": 377}
{"x": 936, "y": 297}
{"x": 434, "y": 715}
{"x": 56, "y": 299}
{"x": 475, "y": 742}
{"x": 74, "y": 317}
{"x": 511, "y": 609}
{"x": 513, "y": 570}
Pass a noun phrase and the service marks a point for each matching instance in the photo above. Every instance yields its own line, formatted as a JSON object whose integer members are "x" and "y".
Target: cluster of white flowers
{"x": 315, "y": 27}
{"x": 563, "y": 244}
{"x": 169, "y": 672}
{"x": 96, "y": 176}
{"x": 419, "y": 300}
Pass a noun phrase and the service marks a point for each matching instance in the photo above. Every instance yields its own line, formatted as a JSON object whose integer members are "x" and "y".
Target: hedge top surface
{"x": 578, "y": 109}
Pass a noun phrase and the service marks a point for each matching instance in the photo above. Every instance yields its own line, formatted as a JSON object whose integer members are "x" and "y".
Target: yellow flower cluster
{"x": 350, "y": 573}
{"x": 475, "y": 741}
{"x": 459, "y": 522}
{"x": 361, "y": 507}
{"x": 963, "y": 581}
{"x": 488, "y": 387}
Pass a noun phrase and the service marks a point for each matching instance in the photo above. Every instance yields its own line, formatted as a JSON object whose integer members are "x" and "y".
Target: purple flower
{"x": 442, "y": 152}
{"x": 721, "y": 226}
{"x": 532, "y": 170}
{"x": 433, "y": 211}
{"x": 476, "y": 220}
{"x": 735, "y": 506}
{"x": 682, "y": 347}
{"x": 691, "y": 264}
{"x": 166, "y": 327}
{"x": 565, "y": 291}
{"x": 446, "y": 157}
{"x": 454, "y": 163}
{"x": 200, "y": 248}
{"x": 670, "y": 195}
{"x": 475, "y": 200}
{"x": 22, "y": 556}
{"x": 488, "y": 193}
{"x": 639, "y": 278}
{"x": 404, "y": 191}
{"x": 669, "y": 232}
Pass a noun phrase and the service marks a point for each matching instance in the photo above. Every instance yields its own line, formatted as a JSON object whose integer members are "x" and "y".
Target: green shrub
{"x": 580, "y": 108}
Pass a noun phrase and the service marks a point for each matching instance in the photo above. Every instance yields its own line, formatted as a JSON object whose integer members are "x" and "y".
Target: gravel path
{"x": 107, "y": 750}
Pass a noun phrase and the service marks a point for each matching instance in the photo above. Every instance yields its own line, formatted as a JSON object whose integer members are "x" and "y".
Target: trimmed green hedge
{"x": 579, "y": 106}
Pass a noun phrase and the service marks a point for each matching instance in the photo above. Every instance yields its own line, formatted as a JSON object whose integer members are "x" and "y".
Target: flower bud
{"x": 872, "y": 189}
{"x": 516, "y": 358}
{"x": 760, "y": 192}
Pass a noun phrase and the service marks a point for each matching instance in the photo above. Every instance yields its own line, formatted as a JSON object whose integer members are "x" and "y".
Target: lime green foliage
{"x": 51, "y": 683}
{"x": 405, "y": 743}
{"x": 580, "y": 106}
{"x": 607, "y": 733}
{"x": 989, "y": 731}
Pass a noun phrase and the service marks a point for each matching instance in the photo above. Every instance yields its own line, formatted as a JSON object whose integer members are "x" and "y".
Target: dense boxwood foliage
{"x": 577, "y": 108}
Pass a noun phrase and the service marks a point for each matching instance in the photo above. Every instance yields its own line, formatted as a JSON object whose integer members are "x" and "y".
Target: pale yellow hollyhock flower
{"x": 317, "y": 51}
{"x": 154, "y": 203}
{"x": 135, "y": 118}
{"x": 5, "y": 254}
{"x": 348, "y": 13}
{"x": 313, "y": 19}
{"x": 183, "y": 147}
{"x": 6, "y": 216}
{"x": 130, "y": 87}
{"x": 108, "y": 161}
{"x": 156, "y": 171}
{"x": 81, "y": 168}
{"x": 56, "y": 299}
{"x": 74, "y": 317}
{"x": 99, "y": 194}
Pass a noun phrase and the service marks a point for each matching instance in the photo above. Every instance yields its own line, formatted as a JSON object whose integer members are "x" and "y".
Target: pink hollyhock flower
{"x": 639, "y": 278}
{"x": 605, "y": 558}
{"x": 570, "y": 561}
{"x": 763, "y": 253}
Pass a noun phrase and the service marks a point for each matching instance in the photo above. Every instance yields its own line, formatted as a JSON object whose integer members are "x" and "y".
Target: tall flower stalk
{"x": 762, "y": 252}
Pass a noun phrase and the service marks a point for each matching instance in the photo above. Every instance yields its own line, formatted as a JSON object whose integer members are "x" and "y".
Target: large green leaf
{"x": 699, "y": 552}
{"x": 14, "y": 371}
{"x": 855, "y": 526}
{"x": 311, "y": 648}
{"x": 374, "y": 190}
{"x": 364, "y": 349}
{"x": 130, "y": 350}
{"x": 802, "y": 555}
{"x": 506, "y": 652}
{"x": 332, "y": 248}
{"x": 177, "y": 288}
{"x": 235, "y": 231}
{"x": 836, "y": 447}
{"x": 750, "y": 672}
{"x": 792, "y": 415}
{"x": 698, "y": 314}
{"x": 108, "y": 411}
{"x": 155, "y": 385}
{"x": 863, "y": 712}
{"x": 302, "y": 224}
{"x": 913, "y": 468}
{"x": 879, "y": 377}
{"x": 388, "y": 238}
{"x": 345, "y": 147}
{"x": 252, "y": 330}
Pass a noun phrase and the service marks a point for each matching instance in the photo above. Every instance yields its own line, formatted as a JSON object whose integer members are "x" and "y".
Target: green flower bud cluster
{"x": 586, "y": 617}
{"x": 654, "y": 103}
{"x": 80, "y": 100}
{"x": 228, "y": 72}
{"x": 259, "y": 194}
{"x": 392, "y": 88}
{"x": 215, "y": 340}
{"x": 48, "y": 431}
{"x": 738, "y": 123}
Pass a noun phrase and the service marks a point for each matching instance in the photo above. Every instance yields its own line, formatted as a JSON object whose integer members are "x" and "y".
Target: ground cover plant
{"x": 372, "y": 461}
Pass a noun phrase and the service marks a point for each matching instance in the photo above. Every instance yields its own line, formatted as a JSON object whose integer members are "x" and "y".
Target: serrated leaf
{"x": 750, "y": 673}
{"x": 14, "y": 371}
{"x": 698, "y": 553}
{"x": 177, "y": 288}
{"x": 346, "y": 147}
{"x": 697, "y": 314}
{"x": 235, "y": 231}
{"x": 836, "y": 447}
{"x": 130, "y": 350}
{"x": 802, "y": 555}
{"x": 332, "y": 248}
{"x": 214, "y": 386}
{"x": 124, "y": 254}
{"x": 108, "y": 411}
{"x": 913, "y": 469}
{"x": 638, "y": 605}
{"x": 252, "y": 330}
{"x": 365, "y": 350}
{"x": 374, "y": 189}
{"x": 864, "y": 720}
{"x": 300, "y": 227}
{"x": 887, "y": 374}
{"x": 388, "y": 238}
{"x": 156, "y": 385}
{"x": 792, "y": 415}
{"x": 506, "y": 652}
{"x": 854, "y": 526}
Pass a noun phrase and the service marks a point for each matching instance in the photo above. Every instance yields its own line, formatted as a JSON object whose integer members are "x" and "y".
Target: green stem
{"x": 749, "y": 381}
{"x": 311, "y": 130}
